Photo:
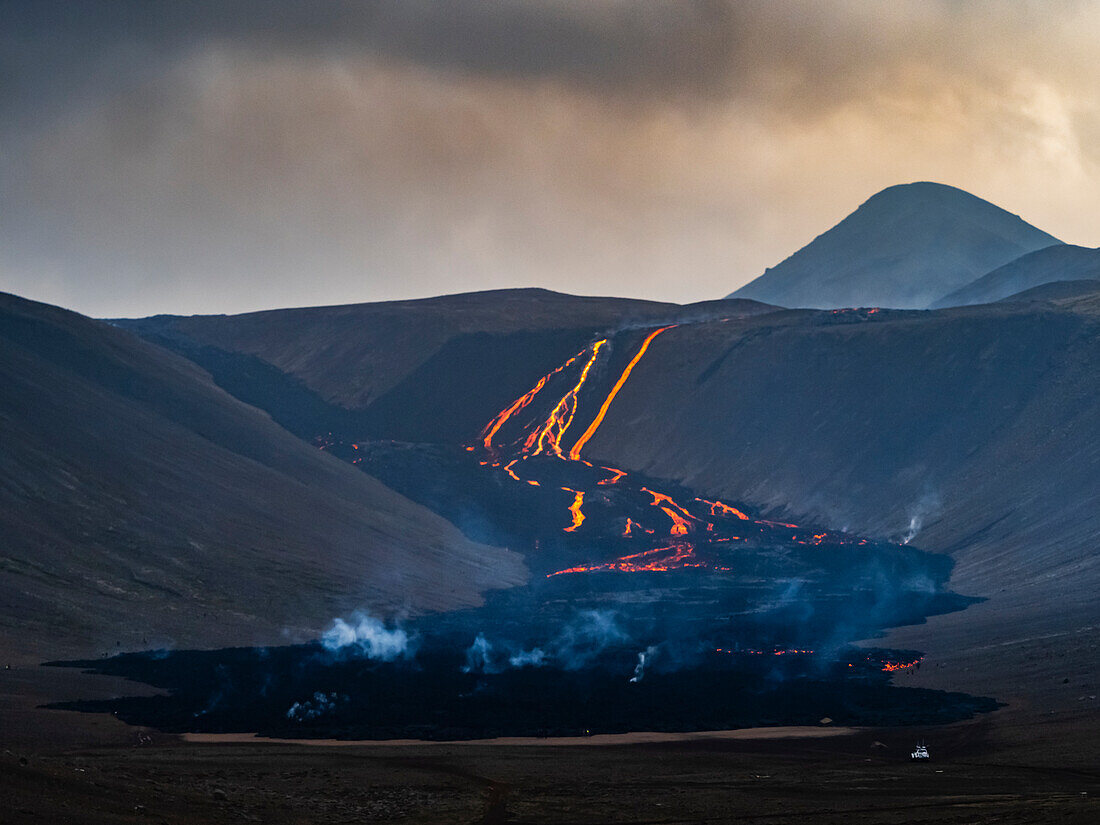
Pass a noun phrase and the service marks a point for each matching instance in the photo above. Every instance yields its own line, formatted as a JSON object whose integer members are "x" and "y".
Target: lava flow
{"x": 575, "y": 453}
{"x": 528, "y": 441}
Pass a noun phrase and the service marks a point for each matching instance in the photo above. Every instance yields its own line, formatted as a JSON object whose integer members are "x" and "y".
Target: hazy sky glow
{"x": 231, "y": 155}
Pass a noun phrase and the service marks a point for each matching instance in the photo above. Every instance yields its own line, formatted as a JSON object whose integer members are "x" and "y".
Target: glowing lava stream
{"x": 575, "y": 453}
{"x": 717, "y": 508}
{"x": 575, "y": 509}
{"x": 493, "y": 426}
{"x": 615, "y": 478}
{"x": 545, "y": 436}
{"x": 561, "y": 417}
{"x": 637, "y": 563}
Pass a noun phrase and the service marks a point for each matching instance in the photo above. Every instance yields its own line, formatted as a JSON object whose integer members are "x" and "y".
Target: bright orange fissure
{"x": 575, "y": 453}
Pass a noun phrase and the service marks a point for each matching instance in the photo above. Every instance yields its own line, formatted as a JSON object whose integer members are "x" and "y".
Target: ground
{"x": 1012, "y": 766}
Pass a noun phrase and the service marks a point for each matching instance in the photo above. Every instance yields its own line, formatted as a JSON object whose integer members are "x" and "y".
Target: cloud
{"x": 237, "y": 155}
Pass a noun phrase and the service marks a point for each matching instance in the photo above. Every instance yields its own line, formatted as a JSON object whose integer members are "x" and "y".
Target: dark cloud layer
{"x": 225, "y": 155}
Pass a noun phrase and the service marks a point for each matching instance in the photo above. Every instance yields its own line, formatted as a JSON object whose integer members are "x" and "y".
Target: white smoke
{"x": 535, "y": 657}
{"x": 586, "y": 637}
{"x": 318, "y": 705}
{"x": 927, "y": 506}
{"x": 579, "y": 642}
{"x": 369, "y": 635}
{"x": 643, "y": 659}
{"x": 915, "y": 523}
{"x": 479, "y": 656}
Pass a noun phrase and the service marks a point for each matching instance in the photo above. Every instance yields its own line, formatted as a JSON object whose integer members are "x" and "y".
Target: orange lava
{"x": 493, "y": 426}
{"x": 717, "y": 508}
{"x": 549, "y": 435}
{"x": 680, "y": 526}
{"x": 615, "y": 478}
{"x": 575, "y": 509}
{"x": 890, "y": 667}
{"x": 649, "y": 561}
{"x": 575, "y": 453}
{"x": 661, "y": 498}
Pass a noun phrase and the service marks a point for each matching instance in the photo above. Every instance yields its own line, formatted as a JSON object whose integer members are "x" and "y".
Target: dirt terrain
{"x": 994, "y": 770}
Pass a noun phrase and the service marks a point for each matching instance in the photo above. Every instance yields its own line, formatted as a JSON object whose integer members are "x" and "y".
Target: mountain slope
{"x": 1057, "y": 291}
{"x": 139, "y": 503}
{"x": 905, "y": 247}
{"x": 1063, "y": 262}
{"x": 973, "y": 422}
{"x": 351, "y": 357}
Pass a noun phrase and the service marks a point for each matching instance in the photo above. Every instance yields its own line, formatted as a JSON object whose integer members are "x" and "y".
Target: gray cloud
{"x": 228, "y": 155}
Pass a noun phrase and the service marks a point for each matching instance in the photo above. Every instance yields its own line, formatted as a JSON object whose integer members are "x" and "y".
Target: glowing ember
{"x": 889, "y": 666}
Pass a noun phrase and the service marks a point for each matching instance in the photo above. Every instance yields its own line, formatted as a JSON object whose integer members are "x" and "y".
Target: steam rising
{"x": 319, "y": 705}
{"x": 926, "y": 507}
{"x": 367, "y": 636}
{"x": 643, "y": 659}
{"x": 575, "y": 646}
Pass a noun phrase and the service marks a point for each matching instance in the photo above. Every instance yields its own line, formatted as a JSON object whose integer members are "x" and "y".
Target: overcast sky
{"x": 225, "y": 156}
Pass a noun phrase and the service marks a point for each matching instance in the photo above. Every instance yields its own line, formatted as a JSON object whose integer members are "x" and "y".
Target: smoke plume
{"x": 367, "y": 636}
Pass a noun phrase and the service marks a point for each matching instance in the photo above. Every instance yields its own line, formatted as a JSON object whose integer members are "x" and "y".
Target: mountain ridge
{"x": 1061, "y": 262}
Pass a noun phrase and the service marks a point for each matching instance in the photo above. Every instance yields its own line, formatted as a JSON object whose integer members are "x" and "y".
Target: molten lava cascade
{"x": 520, "y": 439}
{"x": 575, "y": 453}
{"x": 498, "y": 421}
{"x": 614, "y": 479}
{"x": 657, "y": 560}
{"x": 548, "y": 436}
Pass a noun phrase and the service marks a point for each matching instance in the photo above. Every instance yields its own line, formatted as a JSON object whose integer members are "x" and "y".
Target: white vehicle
{"x": 921, "y": 752}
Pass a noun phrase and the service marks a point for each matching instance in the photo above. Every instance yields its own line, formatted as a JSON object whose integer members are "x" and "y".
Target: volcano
{"x": 905, "y": 247}
{"x": 961, "y": 430}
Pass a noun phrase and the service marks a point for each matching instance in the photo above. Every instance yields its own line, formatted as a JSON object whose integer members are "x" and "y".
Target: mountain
{"x": 1062, "y": 262}
{"x": 969, "y": 429}
{"x": 905, "y": 247}
{"x": 141, "y": 505}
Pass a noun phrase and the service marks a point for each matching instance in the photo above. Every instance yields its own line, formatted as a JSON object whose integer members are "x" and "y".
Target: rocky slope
{"x": 142, "y": 505}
